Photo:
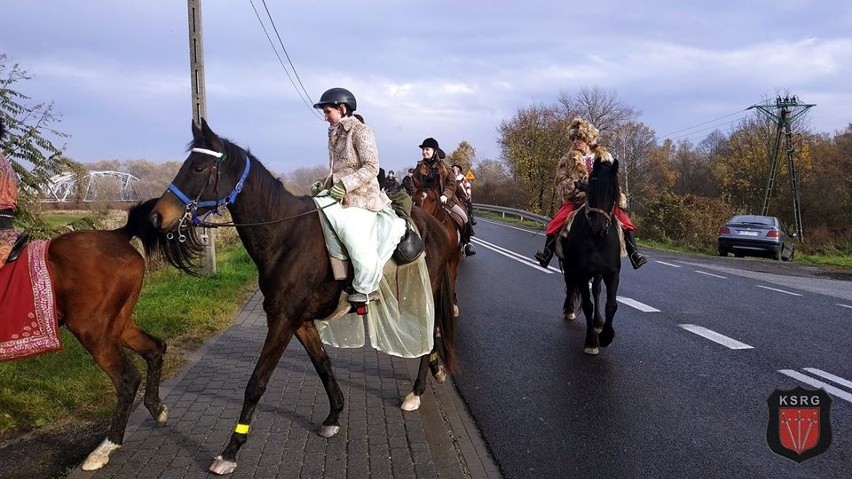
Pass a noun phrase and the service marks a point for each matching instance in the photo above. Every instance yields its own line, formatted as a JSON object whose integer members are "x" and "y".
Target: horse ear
{"x": 197, "y": 136}
{"x": 208, "y": 137}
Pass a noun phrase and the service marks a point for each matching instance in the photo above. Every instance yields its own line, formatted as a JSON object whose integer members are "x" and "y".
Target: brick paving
{"x": 376, "y": 440}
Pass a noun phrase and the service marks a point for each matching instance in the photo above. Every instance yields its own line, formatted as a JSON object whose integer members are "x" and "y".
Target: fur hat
{"x": 580, "y": 129}
{"x": 430, "y": 143}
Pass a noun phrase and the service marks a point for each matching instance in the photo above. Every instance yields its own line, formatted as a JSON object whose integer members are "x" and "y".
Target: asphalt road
{"x": 701, "y": 342}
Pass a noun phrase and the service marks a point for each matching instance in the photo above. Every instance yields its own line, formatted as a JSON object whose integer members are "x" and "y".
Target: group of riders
{"x": 353, "y": 182}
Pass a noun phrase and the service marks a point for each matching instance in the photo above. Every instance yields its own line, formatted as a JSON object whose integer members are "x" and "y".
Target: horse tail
{"x": 183, "y": 255}
{"x": 447, "y": 322}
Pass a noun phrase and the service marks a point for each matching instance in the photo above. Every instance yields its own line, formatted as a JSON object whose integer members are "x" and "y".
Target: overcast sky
{"x": 118, "y": 71}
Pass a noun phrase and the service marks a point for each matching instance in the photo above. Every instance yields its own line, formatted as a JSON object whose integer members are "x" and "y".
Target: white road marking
{"x": 711, "y": 274}
{"x": 844, "y": 305}
{"x": 668, "y": 264}
{"x": 817, "y": 384}
{"x": 715, "y": 337}
{"x": 536, "y": 233}
{"x": 511, "y": 255}
{"x": 830, "y": 377}
{"x": 778, "y": 290}
{"x": 636, "y": 304}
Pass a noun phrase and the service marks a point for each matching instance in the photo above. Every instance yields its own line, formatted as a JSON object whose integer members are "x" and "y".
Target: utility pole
{"x": 199, "y": 111}
{"x": 784, "y": 111}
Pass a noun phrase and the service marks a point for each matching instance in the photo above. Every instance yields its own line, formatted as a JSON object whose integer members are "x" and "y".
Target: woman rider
{"x": 353, "y": 166}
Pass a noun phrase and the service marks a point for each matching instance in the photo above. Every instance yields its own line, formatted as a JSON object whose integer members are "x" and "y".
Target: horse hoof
{"x": 222, "y": 467}
{"x": 592, "y": 351}
{"x": 570, "y": 317}
{"x": 455, "y": 311}
{"x": 162, "y": 415}
{"x": 100, "y": 456}
{"x": 440, "y": 375}
{"x": 329, "y": 431}
{"x": 411, "y": 402}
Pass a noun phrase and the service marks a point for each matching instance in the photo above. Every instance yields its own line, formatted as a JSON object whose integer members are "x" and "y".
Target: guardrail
{"x": 524, "y": 215}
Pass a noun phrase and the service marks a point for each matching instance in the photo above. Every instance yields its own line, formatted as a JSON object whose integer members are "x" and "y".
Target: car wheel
{"x": 779, "y": 255}
{"x": 792, "y": 253}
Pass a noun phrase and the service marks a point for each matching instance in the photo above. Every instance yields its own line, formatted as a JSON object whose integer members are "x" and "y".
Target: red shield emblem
{"x": 799, "y": 423}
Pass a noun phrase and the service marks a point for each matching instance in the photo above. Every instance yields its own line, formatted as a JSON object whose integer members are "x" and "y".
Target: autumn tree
{"x": 464, "y": 155}
{"x": 29, "y": 142}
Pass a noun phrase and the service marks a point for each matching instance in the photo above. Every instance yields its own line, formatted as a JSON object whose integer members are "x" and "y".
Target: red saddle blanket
{"x": 28, "y": 323}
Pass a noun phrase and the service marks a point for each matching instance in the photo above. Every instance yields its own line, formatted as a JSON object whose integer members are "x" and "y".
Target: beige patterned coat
{"x": 354, "y": 160}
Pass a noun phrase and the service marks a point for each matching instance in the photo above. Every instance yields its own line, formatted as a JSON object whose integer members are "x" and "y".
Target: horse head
{"x": 211, "y": 176}
{"x": 428, "y": 200}
{"x": 602, "y": 193}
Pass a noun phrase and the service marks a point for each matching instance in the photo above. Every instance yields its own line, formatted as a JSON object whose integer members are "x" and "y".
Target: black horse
{"x": 592, "y": 252}
{"x": 283, "y": 235}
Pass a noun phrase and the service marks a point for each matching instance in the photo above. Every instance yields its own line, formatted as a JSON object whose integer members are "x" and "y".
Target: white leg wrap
{"x": 100, "y": 456}
{"x": 411, "y": 402}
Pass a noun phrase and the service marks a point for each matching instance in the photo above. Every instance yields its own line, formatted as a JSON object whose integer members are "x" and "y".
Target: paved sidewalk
{"x": 376, "y": 440}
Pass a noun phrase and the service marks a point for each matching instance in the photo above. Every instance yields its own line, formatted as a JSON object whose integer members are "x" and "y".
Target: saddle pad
{"x": 28, "y": 322}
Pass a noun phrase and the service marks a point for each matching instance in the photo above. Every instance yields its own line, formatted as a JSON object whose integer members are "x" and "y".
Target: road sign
{"x": 469, "y": 175}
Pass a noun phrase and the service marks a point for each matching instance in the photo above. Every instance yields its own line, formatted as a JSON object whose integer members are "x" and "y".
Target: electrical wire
{"x": 281, "y": 62}
{"x": 667, "y": 135}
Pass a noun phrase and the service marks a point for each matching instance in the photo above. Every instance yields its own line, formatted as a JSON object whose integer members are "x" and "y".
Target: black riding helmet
{"x": 337, "y": 96}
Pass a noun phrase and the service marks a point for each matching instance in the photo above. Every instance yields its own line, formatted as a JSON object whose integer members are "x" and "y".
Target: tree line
{"x": 677, "y": 191}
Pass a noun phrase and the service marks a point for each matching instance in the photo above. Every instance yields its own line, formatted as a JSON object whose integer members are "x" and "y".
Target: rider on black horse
{"x": 441, "y": 178}
{"x": 575, "y": 167}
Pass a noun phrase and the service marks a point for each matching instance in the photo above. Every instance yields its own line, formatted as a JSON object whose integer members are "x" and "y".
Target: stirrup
{"x": 543, "y": 256}
{"x": 637, "y": 259}
{"x": 469, "y": 250}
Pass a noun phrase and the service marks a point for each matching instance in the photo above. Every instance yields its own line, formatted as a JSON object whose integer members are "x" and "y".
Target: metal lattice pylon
{"x": 784, "y": 111}
{"x": 93, "y": 186}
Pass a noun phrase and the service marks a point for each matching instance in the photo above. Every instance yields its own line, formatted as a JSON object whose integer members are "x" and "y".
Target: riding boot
{"x": 637, "y": 258}
{"x": 465, "y": 238}
{"x": 545, "y": 254}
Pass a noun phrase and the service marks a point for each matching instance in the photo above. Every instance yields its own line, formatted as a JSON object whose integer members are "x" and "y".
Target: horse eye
{"x": 197, "y": 168}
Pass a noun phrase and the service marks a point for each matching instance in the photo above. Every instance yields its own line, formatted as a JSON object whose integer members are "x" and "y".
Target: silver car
{"x": 752, "y": 235}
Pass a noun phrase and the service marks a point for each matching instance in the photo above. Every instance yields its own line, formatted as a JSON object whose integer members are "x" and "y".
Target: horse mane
{"x": 183, "y": 255}
{"x": 603, "y": 183}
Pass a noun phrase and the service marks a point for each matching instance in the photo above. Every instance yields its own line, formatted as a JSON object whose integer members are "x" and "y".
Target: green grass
{"x": 67, "y": 387}
{"x": 533, "y": 225}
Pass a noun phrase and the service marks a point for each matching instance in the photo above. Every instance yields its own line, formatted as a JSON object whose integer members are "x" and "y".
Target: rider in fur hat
{"x": 576, "y": 166}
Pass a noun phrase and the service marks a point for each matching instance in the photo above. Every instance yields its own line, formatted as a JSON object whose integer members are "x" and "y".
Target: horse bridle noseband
{"x": 606, "y": 214}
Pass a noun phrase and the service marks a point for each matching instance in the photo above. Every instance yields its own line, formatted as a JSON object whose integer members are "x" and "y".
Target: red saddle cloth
{"x": 28, "y": 323}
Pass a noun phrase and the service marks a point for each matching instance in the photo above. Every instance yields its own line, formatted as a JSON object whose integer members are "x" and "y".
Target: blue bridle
{"x": 193, "y": 205}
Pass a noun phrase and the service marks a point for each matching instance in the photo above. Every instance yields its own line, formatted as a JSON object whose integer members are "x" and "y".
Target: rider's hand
{"x": 338, "y": 191}
{"x": 316, "y": 188}
{"x": 443, "y": 198}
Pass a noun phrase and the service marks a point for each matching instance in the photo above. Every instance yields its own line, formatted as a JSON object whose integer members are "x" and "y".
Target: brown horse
{"x": 97, "y": 277}
{"x": 283, "y": 235}
{"x": 429, "y": 200}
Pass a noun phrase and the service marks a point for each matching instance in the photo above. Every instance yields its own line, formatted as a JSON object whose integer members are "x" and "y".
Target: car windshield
{"x": 753, "y": 220}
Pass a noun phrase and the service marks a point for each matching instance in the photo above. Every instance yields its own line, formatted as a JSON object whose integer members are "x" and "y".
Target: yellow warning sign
{"x": 469, "y": 175}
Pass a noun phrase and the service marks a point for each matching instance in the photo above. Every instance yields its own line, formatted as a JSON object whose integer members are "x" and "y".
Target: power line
{"x": 709, "y": 128}
{"x": 704, "y": 123}
{"x": 281, "y": 62}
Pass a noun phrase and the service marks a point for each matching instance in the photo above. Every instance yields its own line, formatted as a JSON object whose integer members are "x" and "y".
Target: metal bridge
{"x": 93, "y": 186}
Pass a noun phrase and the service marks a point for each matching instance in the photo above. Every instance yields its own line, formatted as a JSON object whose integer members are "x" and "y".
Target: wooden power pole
{"x": 199, "y": 111}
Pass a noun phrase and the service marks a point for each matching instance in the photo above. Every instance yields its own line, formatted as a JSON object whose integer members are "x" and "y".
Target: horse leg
{"x": 126, "y": 379}
{"x": 591, "y": 346}
{"x": 153, "y": 350}
{"x": 571, "y": 296}
{"x": 596, "y": 296}
{"x": 309, "y": 337}
{"x": 278, "y": 336}
{"x": 454, "y": 272}
{"x": 412, "y": 399}
{"x": 608, "y": 332}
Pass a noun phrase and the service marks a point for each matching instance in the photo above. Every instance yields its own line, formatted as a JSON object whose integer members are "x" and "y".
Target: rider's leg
{"x": 468, "y": 246}
{"x": 637, "y": 258}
